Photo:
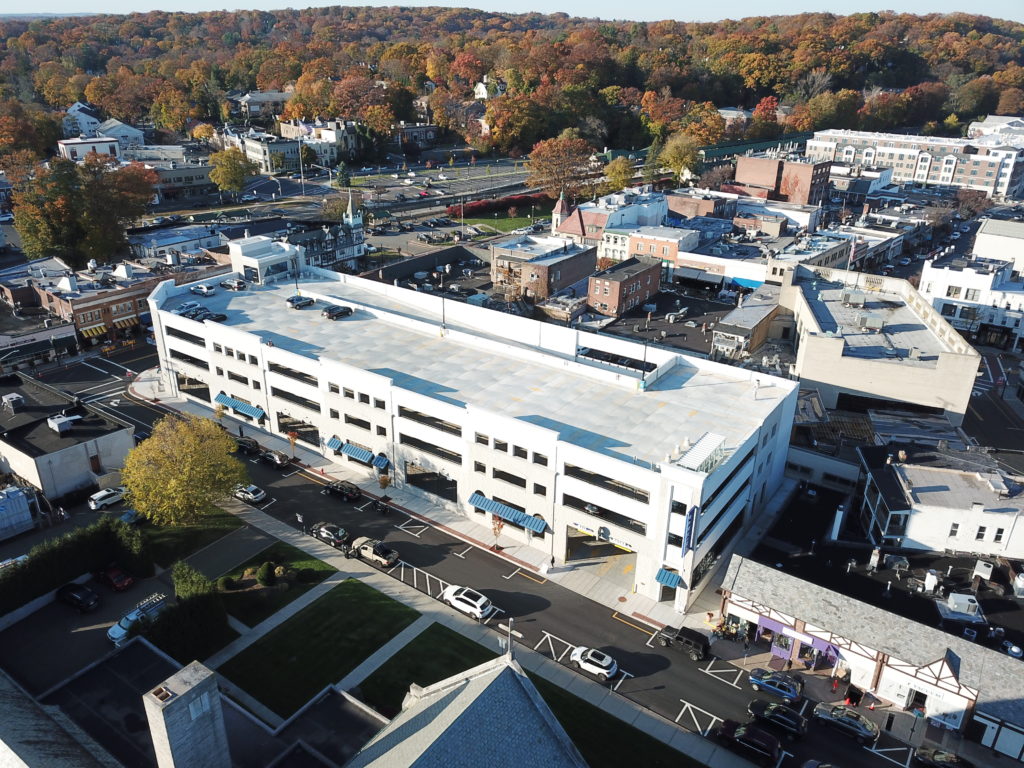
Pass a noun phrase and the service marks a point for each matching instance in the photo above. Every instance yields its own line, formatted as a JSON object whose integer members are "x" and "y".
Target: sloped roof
{"x": 561, "y": 207}
{"x": 468, "y": 720}
{"x": 113, "y": 124}
{"x": 573, "y": 224}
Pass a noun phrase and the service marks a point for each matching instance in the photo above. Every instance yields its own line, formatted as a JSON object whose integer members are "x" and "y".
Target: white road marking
{"x": 693, "y": 711}
{"x": 517, "y": 570}
{"x": 267, "y": 505}
{"x": 724, "y": 674}
{"x": 462, "y": 554}
{"x": 105, "y": 373}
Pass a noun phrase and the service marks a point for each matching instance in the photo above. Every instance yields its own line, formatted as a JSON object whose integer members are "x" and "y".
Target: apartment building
{"x": 791, "y": 179}
{"x": 590, "y": 448}
{"x": 624, "y": 286}
{"x": 984, "y": 164}
{"x": 666, "y": 243}
{"x": 535, "y": 268}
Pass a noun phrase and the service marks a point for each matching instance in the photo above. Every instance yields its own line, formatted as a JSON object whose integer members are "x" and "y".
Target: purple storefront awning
{"x": 765, "y": 623}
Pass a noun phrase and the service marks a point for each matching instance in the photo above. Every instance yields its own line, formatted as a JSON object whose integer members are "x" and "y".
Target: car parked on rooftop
{"x": 593, "y": 661}
{"x": 187, "y": 306}
{"x": 334, "y": 312}
{"x": 298, "y": 302}
{"x": 847, "y": 721}
{"x": 466, "y": 600}
{"x": 202, "y": 289}
{"x": 780, "y": 684}
{"x": 233, "y": 285}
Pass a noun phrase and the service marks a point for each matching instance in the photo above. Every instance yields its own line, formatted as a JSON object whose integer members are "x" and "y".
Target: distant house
{"x": 263, "y": 103}
{"x": 81, "y": 119}
{"x": 488, "y": 89}
{"x": 126, "y": 135}
{"x": 735, "y": 115}
{"x": 76, "y": 149}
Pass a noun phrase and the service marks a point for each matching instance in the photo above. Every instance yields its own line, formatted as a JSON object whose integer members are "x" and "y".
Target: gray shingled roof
{"x": 997, "y": 677}
{"x": 468, "y": 719}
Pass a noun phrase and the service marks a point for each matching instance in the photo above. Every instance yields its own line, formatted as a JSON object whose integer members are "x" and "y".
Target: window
{"x": 999, "y": 536}
{"x": 255, "y": 384}
{"x": 971, "y": 294}
{"x": 378, "y": 404}
{"x": 540, "y": 458}
{"x": 478, "y": 466}
{"x": 220, "y": 371}
{"x": 953, "y": 292}
{"x": 349, "y": 394}
{"x": 430, "y": 421}
{"x": 217, "y": 348}
{"x": 334, "y": 414}
{"x": 334, "y": 388}
{"x": 483, "y": 439}
{"x": 361, "y": 423}
{"x": 382, "y": 431}
{"x": 235, "y": 377}
{"x": 519, "y": 453}
{"x": 252, "y": 360}
{"x": 291, "y": 373}
{"x": 608, "y": 484}
{"x": 539, "y": 489}
{"x": 501, "y": 445}
{"x": 291, "y": 397}
{"x": 980, "y": 535}
{"x": 430, "y": 448}
{"x": 508, "y": 477}
{"x": 199, "y": 706}
{"x": 363, "y": 398}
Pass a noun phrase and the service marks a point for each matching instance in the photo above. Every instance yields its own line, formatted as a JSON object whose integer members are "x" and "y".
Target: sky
{"x": 645, "y": 10}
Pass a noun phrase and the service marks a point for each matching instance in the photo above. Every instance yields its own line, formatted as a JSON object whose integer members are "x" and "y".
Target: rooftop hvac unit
{"x": 853, "y": 298}
{"x": 62, "y": 424}
{"x": 13, "y": 402}
{"x": 983, "y": 569}
{"x": 871, "y": 323}
{"x": 931, "y": 581}
{"x": 963, "y": 604}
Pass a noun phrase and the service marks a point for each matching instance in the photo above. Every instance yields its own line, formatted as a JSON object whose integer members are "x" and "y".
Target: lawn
{"x": 251, "y": 606}
{"x": 170, "y": 543}
{"x": 604, "y": 740}
{"x": 505, "y": 224}
{"x": 436, "y": 653}
{"x": 318, "y": 646}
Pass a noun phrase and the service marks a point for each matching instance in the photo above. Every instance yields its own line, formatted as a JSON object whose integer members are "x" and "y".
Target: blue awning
{"x": 743, "y": 282}
{"x": 237, "y": 405}
{"x": 511, "y": 514}
{"x": 668, "y": 578}
{"x": 357, "y": 453}
{"x": 334, "y": 443}
{"x": 381, "y": 462}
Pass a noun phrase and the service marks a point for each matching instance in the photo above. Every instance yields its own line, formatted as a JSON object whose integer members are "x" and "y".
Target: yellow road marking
{"x": 531, "y": 578}
{"x": 645, "y": 630}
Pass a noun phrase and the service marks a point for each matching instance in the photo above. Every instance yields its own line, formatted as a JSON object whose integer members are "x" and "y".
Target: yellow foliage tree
{"x": 178, "y": 475}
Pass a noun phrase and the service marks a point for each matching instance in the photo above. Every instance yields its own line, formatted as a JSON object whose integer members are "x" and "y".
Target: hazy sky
{"x": 646, "y": 10}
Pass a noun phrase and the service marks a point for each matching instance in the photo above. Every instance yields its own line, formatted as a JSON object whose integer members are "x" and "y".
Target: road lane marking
{"x": 881, "y": 752}
{"x": 532, "y": 578}
{"x": 723, "y": 674}
{"x": 292, "y": 473}
{"x": 267, "y": 505}
{"x": 617, "y": 617}
{"x": 694, "y": 711}
{"x": 105, "y": 373}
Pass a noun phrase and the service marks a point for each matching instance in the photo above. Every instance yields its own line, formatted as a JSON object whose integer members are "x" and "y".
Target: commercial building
{"x": 983, "y": 298}
{"x": 76, "y": 149}
{"x": 126, "y": 135}
{"x": 686, "y": 206}
{"x": 664, "y": 243}
{"x": 533, "y": 267}
{"x": 342, "y": 135}
{"x": 982, "y": 164}
{"x": 1004, "y": 240}
{"x": 588, "y": 447}
{"x": 870, "y": 341}
{"x": 790, "y": 178}
{"x": 624, "y": 286}
{"x": 629, "y": 209}
{"x": 937, "y": 499}
{"x": 182, "y": 182}
{"x": 271, "y": 153}
{"x": 855, "y": 184}
{"x": 746, "y": 328}
{"x": 798, "y": 217}
{"x": 262, "y": 103}
{"x": 55, "y": 442}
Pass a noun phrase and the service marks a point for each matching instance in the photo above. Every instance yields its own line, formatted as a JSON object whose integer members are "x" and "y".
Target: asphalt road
{"x": 551, "y": 619}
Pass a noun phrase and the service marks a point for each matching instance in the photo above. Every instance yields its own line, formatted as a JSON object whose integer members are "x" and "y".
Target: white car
{"x": 408, "y": 182}
{"x": 107, "y": 497}
{"x": 188, "y": 306}
{"x": 203, "y": 289}
{"x": 6, "y": 218}
{"x": 442, "y": 177}
{"x": 411, "y": 174}
{"x": 249, "y": 493}
{"x": 467, "y": 600}
{"x": 594, "y": 661}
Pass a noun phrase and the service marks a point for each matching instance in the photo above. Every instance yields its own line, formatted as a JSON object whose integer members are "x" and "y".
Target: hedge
{"x": 474, "y": 208}
{"x": 197, "y": 626}
{"x": 56, "y": 561}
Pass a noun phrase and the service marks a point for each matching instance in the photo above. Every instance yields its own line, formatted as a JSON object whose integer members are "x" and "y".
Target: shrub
{"x": 193, "y": 629}
{"x": 477, "y": 207}
{"x": 265, "y": 575}
{"x": 188, "y": 582}
{"x": 225, "y": 584}
{"x": 308, "y": 576}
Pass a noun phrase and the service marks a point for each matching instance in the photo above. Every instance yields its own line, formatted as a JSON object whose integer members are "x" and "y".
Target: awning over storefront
{"x": 237, "y": 405}
{"x": 668, "y": 578}
{"x": 743, "y": 282}
{"x": 126, "y": 322}
{"x": 357, "y": 453}
{"x": 699, "y": 275}
{"x": 334, "y": 444}
{"x": 381, "y": 462}
{"x": 505, "y": 512}
{"x": 24, "y": 351}
{"x": 93, "y": 331}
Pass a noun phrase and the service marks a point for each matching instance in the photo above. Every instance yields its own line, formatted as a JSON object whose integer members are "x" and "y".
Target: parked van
{"x": 147, "y": 610}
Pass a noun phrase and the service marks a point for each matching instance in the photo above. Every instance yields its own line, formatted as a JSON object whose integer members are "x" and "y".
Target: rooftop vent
{"x": 163, "y": 694}
{"x": 62, "y": 424}
{"x": 13, "y": 402}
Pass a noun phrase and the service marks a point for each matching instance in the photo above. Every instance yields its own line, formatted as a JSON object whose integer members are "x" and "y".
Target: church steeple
{"x": 559, "y": 213}
{"x": 352, "y": 218}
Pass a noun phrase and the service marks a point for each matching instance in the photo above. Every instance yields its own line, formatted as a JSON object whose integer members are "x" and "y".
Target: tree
{"x": 652, "y": 163}
{"x": 170, "y": 110}
{"x": 203, "y": 132}
{"x": 79, "y": 211}
{"x": 230, "y": 170}
{"x": 620, "y": 173}
{"x": 681, "y": 155}
{"x": 715, "y": 177}
{"x": 182, "y": 471}
{"x": 344, "y": 176}
{"x": 972, "y": 202}
{"x": 559, "y": 165}
{"x": 1011, "y": 102}
{"x": 308, "y": 155}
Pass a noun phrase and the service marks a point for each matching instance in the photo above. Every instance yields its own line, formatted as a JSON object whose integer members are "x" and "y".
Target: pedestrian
{"x": 746, "y": 644}
{"x": 61, "y": 514}
{"x": 789, "y": 664}
{"x": 301, "y": 521}
{"x": 240, "y": 433}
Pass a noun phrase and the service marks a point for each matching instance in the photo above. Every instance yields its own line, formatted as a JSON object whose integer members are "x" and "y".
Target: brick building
{"x": 535, "y": 268}
{"x": 687, "y": 206}
{"x": 789, "y": 179}
{"x": 624, "y": 285}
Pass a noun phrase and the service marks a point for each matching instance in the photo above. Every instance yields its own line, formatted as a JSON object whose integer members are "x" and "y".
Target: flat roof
{"x": 401, "y": 340}
{"x": 902, "y": 330}
{"x": 624, "y": 270}
{"x": 537, "y": 250}
{"x": 1001, "y": 228}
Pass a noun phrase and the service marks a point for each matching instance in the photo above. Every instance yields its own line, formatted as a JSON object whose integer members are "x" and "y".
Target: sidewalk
{"x": 432, "y": 611}
{"x": 578, "y": 578}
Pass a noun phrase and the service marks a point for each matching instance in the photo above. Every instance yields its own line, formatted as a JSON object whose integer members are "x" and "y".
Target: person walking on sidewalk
{"x": 301, "y": 521}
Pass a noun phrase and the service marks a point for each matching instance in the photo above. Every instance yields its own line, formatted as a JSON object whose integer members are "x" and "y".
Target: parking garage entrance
{"x": 430, "y": 481}
{"x": 192, "y": 387}
{"x": 605, "y": 558}
{"x": 304, "y": 432}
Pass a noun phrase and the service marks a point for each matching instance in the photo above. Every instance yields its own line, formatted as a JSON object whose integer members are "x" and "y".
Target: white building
{"x": 126, "y": 135}
{"x": 936, "y": 500}
{"x": 487, "y": 414}
{"x": 628, "y": 209}
{"x": 981, "y": 297}
{"x": 998, "y": 239}
{"x": 985, "y": 164}
{"x": 81, "y": 119}
{"x": 1001, "y": 125}
{"x": 76, "y": 149}
{"x": 805, "y": 217}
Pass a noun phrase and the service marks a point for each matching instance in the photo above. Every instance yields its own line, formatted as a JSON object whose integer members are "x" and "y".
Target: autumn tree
{"x": 559, "y": 165}
{"x": 180, "y": 473}
{"x": 765, "y": 121}
{"x": 619, "y": 173}
{"x": 230, "y": 170}
{"x": 1011, "y": 102}
{"x": 715, "y": 177}
{"x": 79, "y": 211}
{"x": 681, "y": 154}
{"x": 203, "y": 132}
{"x": 972, "y": 202}
{"x": 170, "y": 110}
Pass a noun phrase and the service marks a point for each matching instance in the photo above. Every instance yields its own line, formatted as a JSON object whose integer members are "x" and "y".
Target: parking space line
{"x": 723, "y": 674}
{"x": 880, "y": 751}
{"x": 693, "y": 711}
{"x": 495, "y": 610}
{"x": 265, "y": 506}
{"x": 413, "y": 530}
{"x": 365, "y": 505}
{"x": 645, "y": 630}
{"x": 517, "y": 570}
{"x": 623, "y": 676}
{"x": 294, "y": 473}
{"x": 547, "y": 637}
{"x": 782, "y": 758}
{"x": 532, "y": 578}
{"x": 462, "y": 554}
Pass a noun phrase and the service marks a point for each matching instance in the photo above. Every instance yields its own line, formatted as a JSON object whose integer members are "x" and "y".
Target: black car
{"x": 685, "y": 640}
{"x": 247, "y": 445}
{"x": 848, "y": 721}
{"x": 348, "y": 491}
{"x": 755, "y": 744}
{"x": 275, "y": 459}
{"x": 78, "y": 596}
{"x": 335, "y": 312}
{"x": 331, "y": 534}
{"x": 233, "y": 285}
{"x": 781, "y": 718}
{"x": 216, "y": 317}
{"x": 939, "y": 758}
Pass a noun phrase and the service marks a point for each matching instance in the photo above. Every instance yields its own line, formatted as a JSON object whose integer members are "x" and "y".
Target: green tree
{"x": 309, "y": 156}
{"x": 681, "y": 155}
{"x": 559, "y": 165}
{"x": 277, "y": 161}
{"x": 652, "y": 163}
{"x": 230, "y": 170}
{"x": 180, "y": 473}
{"x": 343, "y": 177}
{"x": 619, "y": 172}
{"x": 79, "y": 211}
